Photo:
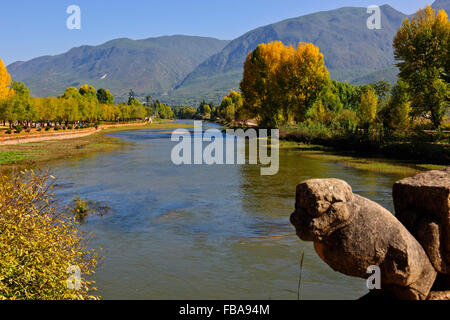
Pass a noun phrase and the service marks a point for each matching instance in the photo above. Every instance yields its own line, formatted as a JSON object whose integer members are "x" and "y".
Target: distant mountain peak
{"x": 149, "y": 66}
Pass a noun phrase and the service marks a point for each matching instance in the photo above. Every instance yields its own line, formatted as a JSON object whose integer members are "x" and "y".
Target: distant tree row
{"x": 85, "y": 104}
{"x": 204, "y": 111}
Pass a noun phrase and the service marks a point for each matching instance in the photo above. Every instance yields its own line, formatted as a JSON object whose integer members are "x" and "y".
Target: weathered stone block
{"x": 351, "y": 233}
{"x": 422, "y": 204}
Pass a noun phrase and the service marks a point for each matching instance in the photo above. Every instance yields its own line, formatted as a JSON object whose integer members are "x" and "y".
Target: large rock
{"x": 351, "y": 233}
{"x": 422, "y": 204}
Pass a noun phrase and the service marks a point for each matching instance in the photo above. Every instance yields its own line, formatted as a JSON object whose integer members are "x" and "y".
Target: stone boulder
{"x": 422, "y": 204}
{"x": 351, "y": 233}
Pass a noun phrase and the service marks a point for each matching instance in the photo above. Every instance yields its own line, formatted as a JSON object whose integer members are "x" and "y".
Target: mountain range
{"x": 186, "y": 69}
{"x": 150, "y": 66}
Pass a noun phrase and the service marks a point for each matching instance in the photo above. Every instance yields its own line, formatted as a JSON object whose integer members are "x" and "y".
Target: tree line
{"x": 85, "y": 104}
{"x": 283, "y": 85}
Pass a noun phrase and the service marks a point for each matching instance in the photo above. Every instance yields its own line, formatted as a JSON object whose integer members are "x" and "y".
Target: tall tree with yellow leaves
{"x": 306, "y": 77}
{"x": 5, "y": 82}
{"x": 260, "y": 87}
{"x": 367, "y": 110}
{"x": 422, "y": 48}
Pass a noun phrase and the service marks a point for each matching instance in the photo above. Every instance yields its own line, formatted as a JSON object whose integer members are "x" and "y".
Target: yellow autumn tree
{"x": 231, "y": 106}
{"x": 307, "y": 76}
{"x": 260, "y": 87}
{"x": 5, "y": 82}
{"x": 367, "y": 110}
{"x": 282, "y": 83}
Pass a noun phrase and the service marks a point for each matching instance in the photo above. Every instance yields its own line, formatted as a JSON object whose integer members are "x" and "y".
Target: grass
{"x": 159, "y": 125}
{"x": 31, "y": 154}
{"x": 372, "y": 164}
{"x": 286, "y": 144}
{"x": 430, "y": 166}
{"x": 14, "y": 156}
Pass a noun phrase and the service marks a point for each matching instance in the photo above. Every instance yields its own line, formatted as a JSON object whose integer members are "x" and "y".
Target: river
{"x": 204, "y": 232}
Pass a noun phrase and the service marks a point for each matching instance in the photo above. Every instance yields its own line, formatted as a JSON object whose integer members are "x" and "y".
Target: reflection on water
{"x": 205, "y": 232}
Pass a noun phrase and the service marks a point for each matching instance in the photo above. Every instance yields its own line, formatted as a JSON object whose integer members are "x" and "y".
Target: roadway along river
{"x": 204, "y": 232}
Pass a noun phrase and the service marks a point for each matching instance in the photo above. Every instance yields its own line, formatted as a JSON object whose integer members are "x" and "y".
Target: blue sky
{"x": 30, "y": 28}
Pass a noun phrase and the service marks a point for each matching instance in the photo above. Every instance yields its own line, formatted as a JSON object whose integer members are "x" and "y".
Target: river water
{"x": 205, "y": 232}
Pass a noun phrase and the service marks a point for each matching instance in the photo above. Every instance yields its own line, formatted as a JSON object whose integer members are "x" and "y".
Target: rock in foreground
{"x": 351, "y": 233}
{"x": 422, "y": 204}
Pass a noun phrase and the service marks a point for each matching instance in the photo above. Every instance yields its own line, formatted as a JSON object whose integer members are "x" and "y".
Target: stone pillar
{"x": 422, "y": 204}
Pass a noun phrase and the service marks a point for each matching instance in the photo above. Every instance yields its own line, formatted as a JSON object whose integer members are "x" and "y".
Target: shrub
{"x": 80, "y": 208}
{"x": 70, "y": 127}
{"x": 47, "y": 128}
{"x": 56, "y": 128}
{"x": 18, "y": 128}
{"x": 38, "y": 245}
{"x": 8, "y": 131}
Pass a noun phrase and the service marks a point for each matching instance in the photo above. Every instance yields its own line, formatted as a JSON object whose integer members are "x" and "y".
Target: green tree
{"x": 22, "y": 109}
{"x": 131, "y": 96}
{"x": 422, "y": 48}
{"x": 104, "y": 96}
{"x": 72, "y": 92}
{"x": 396, "y": 116}
{"x": 134, "y": 102}
{"x": 149, "y": 100}
{"x": 88, "y": 92}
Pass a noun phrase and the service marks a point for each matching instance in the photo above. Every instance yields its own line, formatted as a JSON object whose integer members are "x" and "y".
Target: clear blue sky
{"x": 32, "y": 28}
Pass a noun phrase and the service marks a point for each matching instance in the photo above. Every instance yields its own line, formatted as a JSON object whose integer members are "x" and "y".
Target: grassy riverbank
{"x": 380, "y": 165}
{"x": 403, "y": 158}
{"x": 31, "y": 154}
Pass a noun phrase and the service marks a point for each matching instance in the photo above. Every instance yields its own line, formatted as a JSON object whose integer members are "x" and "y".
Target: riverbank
{"x": 381, "y": 165}
{"x": 35, "y": 136}
{"x": 395, "y": 157}
{"x": 31, "y": 153}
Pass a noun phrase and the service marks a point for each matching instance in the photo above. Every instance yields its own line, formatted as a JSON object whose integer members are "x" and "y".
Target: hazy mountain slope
{"x": 442, "y": 4}
{"x": 185, "y": 70}
{"x": 390, "y": 74}
{"x": 150, "y": 66}
{"x": 350, "y": 48}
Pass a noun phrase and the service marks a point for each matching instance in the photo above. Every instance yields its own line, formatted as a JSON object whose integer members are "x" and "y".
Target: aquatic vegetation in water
{"x": 81, "y": 208}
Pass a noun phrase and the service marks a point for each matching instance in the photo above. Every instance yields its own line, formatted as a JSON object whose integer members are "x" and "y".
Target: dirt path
{"x": 36, "y": 137}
